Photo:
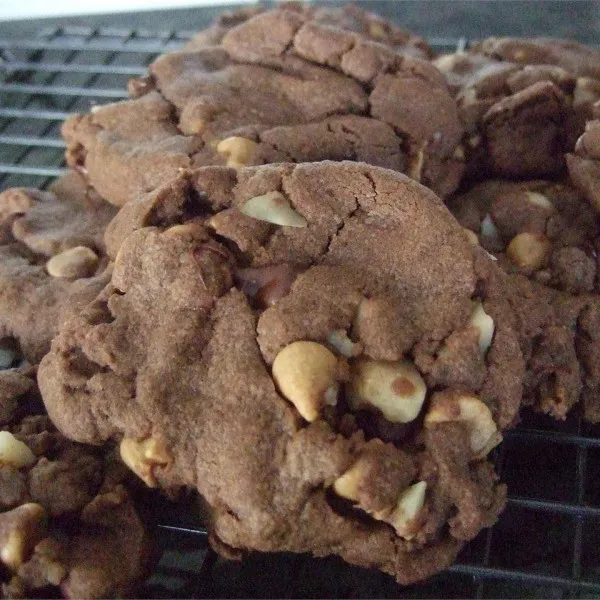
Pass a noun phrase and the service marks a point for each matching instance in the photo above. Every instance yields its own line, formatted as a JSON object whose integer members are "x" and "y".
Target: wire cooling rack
{"x": 546, "y": 543}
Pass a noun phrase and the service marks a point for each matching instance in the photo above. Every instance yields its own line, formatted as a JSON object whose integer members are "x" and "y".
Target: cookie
{"x": 349, "y": 17}
{"x": 318, "y": 349}
{"x": 51, "y": 259}
{"x": 67, "y": 520}
{"x": 280, "y": 87}
{"x": 545, "y": 235}
{"x": 576, "y": 58}
{"x": 521, "y": 115}
{"x": 584, "y": 162}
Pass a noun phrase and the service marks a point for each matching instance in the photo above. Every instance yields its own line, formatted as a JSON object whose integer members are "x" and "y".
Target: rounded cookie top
{"x": 521, "y": 114}
{"x": 280, "y": 87}
{"x": 349, "y": 17}
{"x": 317, "y": 348}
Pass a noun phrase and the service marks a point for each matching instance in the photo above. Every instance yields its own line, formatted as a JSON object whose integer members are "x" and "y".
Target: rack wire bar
{"x": 65, "y": 70}
{"x": 62, "y": 90}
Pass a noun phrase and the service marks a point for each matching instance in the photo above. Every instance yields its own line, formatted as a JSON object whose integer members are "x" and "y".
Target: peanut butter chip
{"x": 528, "y": 251}
{"x": 73, "y": 263}
{"x": 396, "y": 389}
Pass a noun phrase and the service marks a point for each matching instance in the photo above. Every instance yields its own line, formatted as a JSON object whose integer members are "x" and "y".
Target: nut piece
{"x": 237, "y": 151}
{"x": 14, "y": 452}
{"x": 307, "y": 374}
{"x": 528, "y": 251}
{"x": 484, "y": 434}
{"x": 484, "y": 325}
{"x": 339, "y": 340}
{"x": 20, "y": 530}
{"x": 405, "y": 517}
{"x": 73, "y": 263}
{"x": 141, "y": 456}
{"x": 539, "y": 200}
{"x": 395, "y": 388}
{"x": 273, "y": 207}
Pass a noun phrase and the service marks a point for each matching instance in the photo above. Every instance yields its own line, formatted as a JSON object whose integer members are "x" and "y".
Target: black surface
{"x": 430, "y": 18}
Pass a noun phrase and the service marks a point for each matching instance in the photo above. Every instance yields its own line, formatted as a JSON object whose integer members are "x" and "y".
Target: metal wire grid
{"x": 546, "y": 543}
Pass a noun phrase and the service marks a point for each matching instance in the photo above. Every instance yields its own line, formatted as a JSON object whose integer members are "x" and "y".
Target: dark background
{"x": 430, "y": 18}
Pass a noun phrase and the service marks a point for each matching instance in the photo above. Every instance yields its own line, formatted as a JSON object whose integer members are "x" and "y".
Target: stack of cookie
{"x": 311, "y": 272}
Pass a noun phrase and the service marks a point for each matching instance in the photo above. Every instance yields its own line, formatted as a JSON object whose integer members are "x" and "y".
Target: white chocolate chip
{"x": 347, "y": 486}
{"x": 540, "y": 200}
{"x": 237, "y": 151}
{"x": 307, "y": 374}
{"x": 339, "y": 340}
{"x": 14, "y": 452}
{"x": 405, "y": 516}
{"x": 447, "y": 62}
{"x": 394, "y": 388}
{"x": 274, "y": 208}
{"x": 488, "y": 228}
{"x": 471, "y": 236}
{"x": 484, "y": 325}
{"x": 73, "y": 263}
{"x": 142, "y": 456}
{"x": 484, "y": 434}
{"x": 20, "y": 530}
{"x": 528, "y": 251}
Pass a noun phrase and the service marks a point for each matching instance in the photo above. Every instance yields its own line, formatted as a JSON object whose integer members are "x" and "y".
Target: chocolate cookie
{"x": 521, "y": 116}
{"x": 584, "y": 163}
{"x": 51, "y": 259}
{"x": 546, "y": 236}
{"x": 317, "y": 348}
{"x": 67, "y": 521}
{"x": 280, "y": 87}
{"x": 349, "y": 17}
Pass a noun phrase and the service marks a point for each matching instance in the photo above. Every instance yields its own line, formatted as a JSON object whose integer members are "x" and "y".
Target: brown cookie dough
{"x": 521, "y": 114}
{"x": 317, "y": 348}
{"x": 545, "y": 236}
{"x": 349, "y": 17}
{"x": 51, "y": 259}
{"x": 279, "y": 87}
{"x": 67, "y": 521}
{"x": 584, "y": 162}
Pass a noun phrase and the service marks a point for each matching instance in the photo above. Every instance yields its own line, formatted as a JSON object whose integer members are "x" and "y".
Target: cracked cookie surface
{"x": 279, "y": 87}
{"x": 317, "y": 348}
